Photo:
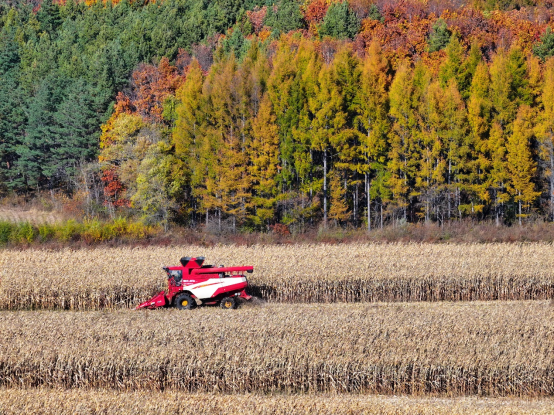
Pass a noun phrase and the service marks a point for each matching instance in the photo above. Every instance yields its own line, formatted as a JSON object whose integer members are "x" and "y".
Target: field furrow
{"x": 48, "y": 401}
{"x": 455, "y": 349}
{"x": 112, "y": 278}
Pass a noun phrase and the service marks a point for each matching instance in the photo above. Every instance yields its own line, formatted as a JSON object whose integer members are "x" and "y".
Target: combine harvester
{"x": 194, "y": 283}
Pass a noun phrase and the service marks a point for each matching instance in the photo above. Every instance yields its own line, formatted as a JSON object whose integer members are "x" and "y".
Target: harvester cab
{"x": 194, "y": 283}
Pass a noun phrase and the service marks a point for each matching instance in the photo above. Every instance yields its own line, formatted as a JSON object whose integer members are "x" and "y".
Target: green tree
{"x": 76, "y": 124}
{"x": 440, "y": 36}
{"x": 400, "y": 138}
{"x": 371, "y": 105}
{"x": 521, "y": 166}
{"x": 264, "y": 167}
{"x": 545, "y": 48}
{"x": 545, "y": 128}
{"x": 285, "y": 18}
{"x": 49, "y": 16}
{"x": 479, "y": 108}
{"x": 340, "y": 22}
{"x": 152, "y": 196}
{"x": 338, "y": 211}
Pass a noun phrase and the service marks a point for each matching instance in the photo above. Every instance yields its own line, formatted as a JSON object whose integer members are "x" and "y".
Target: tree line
{"x": 361, "y": 113}
{"x": 306, "y": 132}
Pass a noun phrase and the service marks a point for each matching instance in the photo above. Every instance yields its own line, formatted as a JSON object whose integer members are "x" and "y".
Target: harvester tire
{"x": 228, "y": 303}
{"x": 184, "y": 302}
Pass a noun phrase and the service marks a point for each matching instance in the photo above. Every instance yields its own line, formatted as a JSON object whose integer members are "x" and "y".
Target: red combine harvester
{"x": 208, "y": 284}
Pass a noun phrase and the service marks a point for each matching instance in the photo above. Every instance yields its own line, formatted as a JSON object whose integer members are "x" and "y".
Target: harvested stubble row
{"x": 49, "y": 401}
{"x": 484, "y": 348}
{"x": 122, "y": 277}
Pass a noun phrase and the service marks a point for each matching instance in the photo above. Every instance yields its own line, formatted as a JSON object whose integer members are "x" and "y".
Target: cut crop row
{"x": 494, "y": 348}
{"x": 68, "y": 402}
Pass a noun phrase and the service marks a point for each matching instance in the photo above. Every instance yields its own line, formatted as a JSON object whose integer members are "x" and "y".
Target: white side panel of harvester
{"x": 206, "y": 289}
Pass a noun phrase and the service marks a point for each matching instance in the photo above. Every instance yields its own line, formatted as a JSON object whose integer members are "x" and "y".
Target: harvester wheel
{"x": 184, "y": 302}
{"x": 228, "y": 303}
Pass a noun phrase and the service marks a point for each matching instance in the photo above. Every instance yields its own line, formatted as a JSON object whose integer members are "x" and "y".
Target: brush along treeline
{"x": 47, "y": 401}
{"x": 123, "y": 277}
{"x": 482, "y": 348}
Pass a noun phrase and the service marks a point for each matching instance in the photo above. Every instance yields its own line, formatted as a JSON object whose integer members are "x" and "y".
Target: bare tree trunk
{"x": 355, "y": 199}
{"x": 551, "y": 180}
{"x": 325, "y": 188}
{"x": 368, "y": 190}
{"x": 519, "y": 203}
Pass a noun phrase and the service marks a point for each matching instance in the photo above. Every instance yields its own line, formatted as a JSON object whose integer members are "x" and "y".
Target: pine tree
{"x": 479, "y": 117}
{"x": 76, "y": 120}
{"x": 340, "y": 22}
{"x": 521, "y": 166}
{"x": 37, "y": 164}
{"x": 346, "y": 142}
{"x": 264, "y": 156}
{"x": 501, "y": 91}
{"x": 49, "y": 16}
{"x": 338, "y": 211}
{"x": 545, "y": 128}
{"x": 440, "y": 36}
{"x": 371, "y": 105}
{"x": 188, "y": 126}
{"x": 453, "y": 64}
{"x": 545, "y": 48}
{"x": 499, "y": 175}
{"x": 400, "y": 138}
{"x": 287, "y": 17}
{"x": 328, "y": 119}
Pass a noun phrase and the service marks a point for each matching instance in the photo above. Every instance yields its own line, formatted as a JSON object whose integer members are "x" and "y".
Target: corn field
{"x": 114, "y": 278}
{"x": 454, "y": 349}
{"x": 44, "y": 401}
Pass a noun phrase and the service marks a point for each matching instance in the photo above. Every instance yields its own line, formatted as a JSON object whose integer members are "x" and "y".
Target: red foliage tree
{"x": 150, "y": 85}
{"x": 256, "y": 18}
{"x": 315, "y": 11}
{"x": 113, "y": 188}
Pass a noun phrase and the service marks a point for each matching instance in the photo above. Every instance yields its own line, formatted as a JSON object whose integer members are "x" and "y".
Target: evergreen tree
{"x": 338, "y": 211}
{"x": 371, "y": 105}
{"x": 49, "y": 16}
{"x": 76, "y": 121}
{"x": 264, "y": 157}
{"x": 375, "y": 14}
{"x": 479, "y": 117}
{"x": 37, "y": 163}
{"x": 440, "y": 36}
{"x": 545, "y": 48}
{"x": 498, "y": 175}
{"x": 545, "y": 129}
{"x": 340, "y": 22}
{"x": 285, "y": 18}
{"x": 12, "y": 115}
{"x": 400, "y": 138}
{"x": 521, "y": 166}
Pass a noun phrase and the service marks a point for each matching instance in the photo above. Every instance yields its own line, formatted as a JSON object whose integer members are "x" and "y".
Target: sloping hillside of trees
{"x": 250, "y": 114}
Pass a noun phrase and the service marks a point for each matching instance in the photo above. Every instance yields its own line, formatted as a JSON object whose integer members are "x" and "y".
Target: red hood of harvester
{"x": 193, "y": 269}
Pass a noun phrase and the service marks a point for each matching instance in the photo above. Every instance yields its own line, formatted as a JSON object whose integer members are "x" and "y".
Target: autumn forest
{"x": 248, "y": 114}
